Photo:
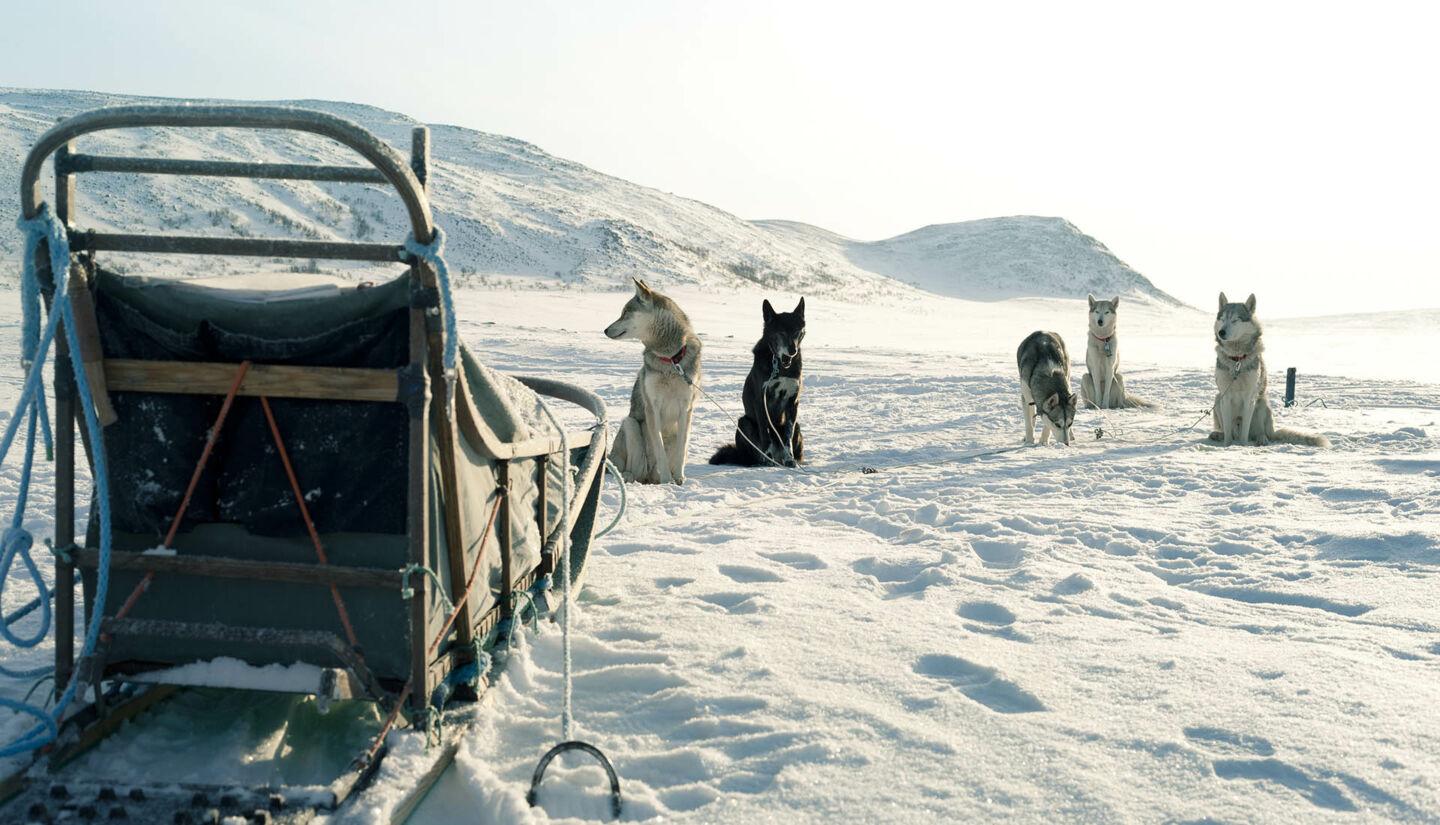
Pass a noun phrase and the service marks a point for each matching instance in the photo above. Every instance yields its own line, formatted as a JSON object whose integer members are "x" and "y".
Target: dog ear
{"x": 1091, "y": 297}
{"x": 643, "y": 291}
{"x": 1115, "y": 302}
{"x": 1223, "y": 302}
{"x": 1250, "y": 302}
{"x": 1051, "y": 403}
{"x": 800, "y": 308}
{"x": 766, "y": 311}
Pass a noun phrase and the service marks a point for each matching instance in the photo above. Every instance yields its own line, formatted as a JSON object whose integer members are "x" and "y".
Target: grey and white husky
{"x": 1045, "y": 386}
{"x": 655, "y": 437}
{"x": 1242, "y": 409}
{"x": 1102, "y": 385}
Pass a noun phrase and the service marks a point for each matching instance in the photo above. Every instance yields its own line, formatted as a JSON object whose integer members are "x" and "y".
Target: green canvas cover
{"x": 349, "y": 457}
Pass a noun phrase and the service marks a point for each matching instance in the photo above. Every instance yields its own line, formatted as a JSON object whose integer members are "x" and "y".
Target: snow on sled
{"x": 302, "y": 485}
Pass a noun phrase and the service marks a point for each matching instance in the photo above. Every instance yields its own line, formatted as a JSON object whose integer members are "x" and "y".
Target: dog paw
{"x": 680, "y": 479}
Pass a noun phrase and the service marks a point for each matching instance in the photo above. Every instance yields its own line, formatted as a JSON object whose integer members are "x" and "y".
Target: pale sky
{"x": 1292, "y": 150}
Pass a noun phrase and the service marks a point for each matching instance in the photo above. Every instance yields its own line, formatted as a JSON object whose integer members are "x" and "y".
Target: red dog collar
{"x": 676, "y": 359}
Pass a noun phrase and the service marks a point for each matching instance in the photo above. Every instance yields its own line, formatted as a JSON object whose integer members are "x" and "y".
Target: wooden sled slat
{"x": 201, "y": 378}
{"x": 227, "y": 568}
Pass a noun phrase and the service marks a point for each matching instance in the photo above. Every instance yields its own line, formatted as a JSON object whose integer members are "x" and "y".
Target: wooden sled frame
{"x": 421, "y": 385}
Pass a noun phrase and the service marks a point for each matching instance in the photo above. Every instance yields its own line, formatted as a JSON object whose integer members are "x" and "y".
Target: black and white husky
{"x": 1242, "y": 408}
{"x": 1102, "y": 385}
{"x": 655, "y": 437}
{"x": 771, "y": 396}
{"x": 1045, "y": 386}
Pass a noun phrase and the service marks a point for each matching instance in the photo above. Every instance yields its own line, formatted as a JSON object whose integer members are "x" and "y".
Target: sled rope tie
{"x": 469, "y": 581}
{"x": 433, "y": 253}
{"x": 35, "y": 347}
{"x": 567, "y": 718}
{"x": 515, "y": 596}
{"x": 620, "y": 511}
{"x": 797, "y": 468}
{"x": 434, "y": 722}
{"x": 210, "y": 439}
{"x": 407, "y": 592}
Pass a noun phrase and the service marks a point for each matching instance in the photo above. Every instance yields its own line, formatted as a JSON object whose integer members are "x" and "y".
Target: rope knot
{"x": 16, "y": 540}
{"x": 433, "y": 253}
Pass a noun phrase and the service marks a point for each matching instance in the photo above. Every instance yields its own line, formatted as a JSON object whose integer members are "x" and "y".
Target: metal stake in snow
{"x": 567, "y": 717}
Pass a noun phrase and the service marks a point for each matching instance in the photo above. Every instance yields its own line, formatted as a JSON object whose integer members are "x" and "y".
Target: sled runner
{"x": 312, "y": 486}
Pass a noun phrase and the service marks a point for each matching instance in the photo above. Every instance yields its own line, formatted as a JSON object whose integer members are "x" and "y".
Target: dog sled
{"x": 300, "y": 484}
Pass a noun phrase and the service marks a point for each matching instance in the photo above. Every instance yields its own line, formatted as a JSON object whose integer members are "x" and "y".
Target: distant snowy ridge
{"x": 513, "y": 213}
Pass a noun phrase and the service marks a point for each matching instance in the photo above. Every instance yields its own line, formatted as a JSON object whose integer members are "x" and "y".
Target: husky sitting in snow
{"x": 768, "y": 431}
{"x": 1102, "y": 385}
{"x": 655, "y": 437}
{"x": 1242, "y": 409}
{"x": 1045, "y": 386}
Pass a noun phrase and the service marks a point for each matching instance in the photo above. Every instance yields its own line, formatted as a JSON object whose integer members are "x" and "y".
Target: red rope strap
{"x": 210, "y": 440}
{"x": 305, "y": 513}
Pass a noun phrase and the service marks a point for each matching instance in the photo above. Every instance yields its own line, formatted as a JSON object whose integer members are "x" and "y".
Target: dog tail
{"x": 1303, "y": 439}
{"x": 730, "y": 454}
{"x": 1135, "y": 402}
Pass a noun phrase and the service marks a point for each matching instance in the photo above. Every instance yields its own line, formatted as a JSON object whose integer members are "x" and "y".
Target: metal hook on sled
{"x": 615, "y": 802}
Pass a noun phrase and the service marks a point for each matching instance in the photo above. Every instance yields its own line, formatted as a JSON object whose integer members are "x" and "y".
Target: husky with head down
{"x": 1045, "y": 386}
{"x": 1242, "y": 409}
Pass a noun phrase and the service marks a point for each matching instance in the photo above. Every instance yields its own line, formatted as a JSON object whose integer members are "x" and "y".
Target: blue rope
{"x": 434, "y": 254}
{"x": 407, "y": 592}
{"x": 16, "y": 540}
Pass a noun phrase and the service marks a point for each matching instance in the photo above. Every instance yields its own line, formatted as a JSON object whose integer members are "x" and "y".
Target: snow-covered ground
{"x": 1138, "y": 628}
{"x": 1141, "y": 628}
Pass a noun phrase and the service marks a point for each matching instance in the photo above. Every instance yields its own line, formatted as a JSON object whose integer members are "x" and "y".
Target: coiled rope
{"x": 17, "y": 542}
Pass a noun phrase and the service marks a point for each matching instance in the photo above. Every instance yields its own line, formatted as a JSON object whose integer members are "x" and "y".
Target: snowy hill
{"x": 985, "y": 259}
{"x": 516, "y": 214}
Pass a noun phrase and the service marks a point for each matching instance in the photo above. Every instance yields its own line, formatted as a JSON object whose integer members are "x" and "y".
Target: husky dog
{"x": 1045, "y": 386}
{"x": 1102, "y": 385}
{"x": 655, "y": 437}
{"x": 768, "y": 430}
{"x": 1242, "y": 409}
